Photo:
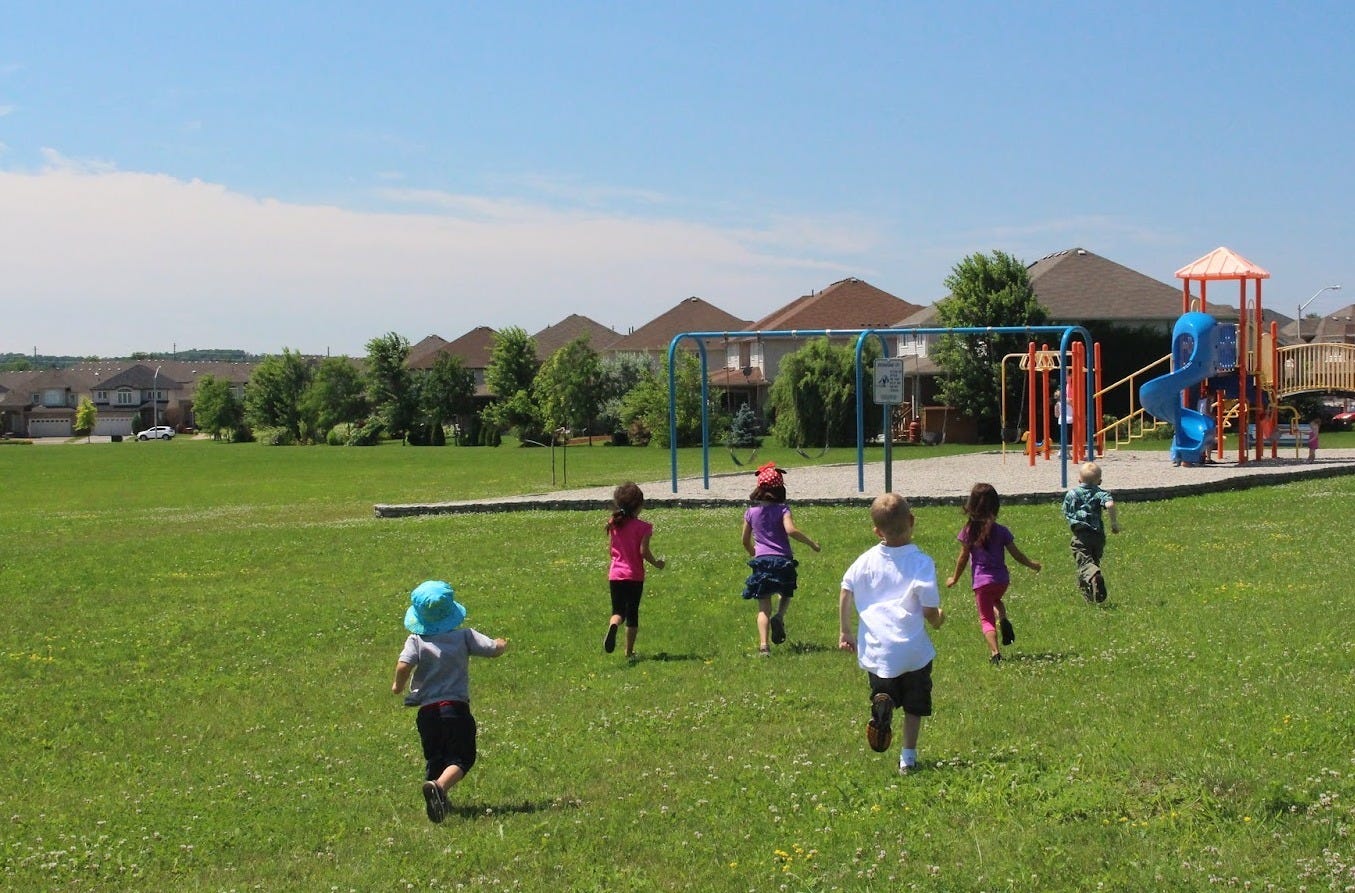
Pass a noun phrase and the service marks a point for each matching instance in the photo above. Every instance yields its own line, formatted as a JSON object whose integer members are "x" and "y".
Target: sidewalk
{"x": 1134, "y": 475}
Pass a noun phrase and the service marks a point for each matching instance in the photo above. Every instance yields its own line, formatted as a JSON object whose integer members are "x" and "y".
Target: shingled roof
{"x": 846, "y": 304}
{"x": 421, "y": 355}
{"x": 1076, "y": 285}
{"x": 690, "y": 315}
{"x": 571, "y": 329}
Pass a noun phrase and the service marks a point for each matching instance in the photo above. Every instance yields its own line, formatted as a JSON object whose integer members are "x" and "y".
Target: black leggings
{"x": 626, "y": 600}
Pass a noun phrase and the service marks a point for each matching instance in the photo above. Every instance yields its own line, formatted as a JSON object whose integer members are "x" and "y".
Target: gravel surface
{"x": 943, "y": 480}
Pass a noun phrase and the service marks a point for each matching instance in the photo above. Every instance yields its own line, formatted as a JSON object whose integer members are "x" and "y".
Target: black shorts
{"x": 447, "y": 731}
{"x": 911, "y": 692}
{"x": 626, "y": 600}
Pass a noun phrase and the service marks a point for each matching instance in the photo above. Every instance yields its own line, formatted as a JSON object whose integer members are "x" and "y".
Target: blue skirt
{"x": 772, "y": 575}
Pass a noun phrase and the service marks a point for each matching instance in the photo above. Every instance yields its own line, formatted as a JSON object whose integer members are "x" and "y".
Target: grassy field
{"x": 200, "y": 639}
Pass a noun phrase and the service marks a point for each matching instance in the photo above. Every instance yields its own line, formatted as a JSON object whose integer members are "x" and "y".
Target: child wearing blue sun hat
{"x": 434, "y": 664}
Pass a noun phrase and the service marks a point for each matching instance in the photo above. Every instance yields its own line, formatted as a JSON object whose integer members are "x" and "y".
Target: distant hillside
{"x": 18, "y": 362}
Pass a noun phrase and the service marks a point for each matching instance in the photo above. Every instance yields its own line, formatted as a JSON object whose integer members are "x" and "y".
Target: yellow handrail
{"x": 1134, "y": 415}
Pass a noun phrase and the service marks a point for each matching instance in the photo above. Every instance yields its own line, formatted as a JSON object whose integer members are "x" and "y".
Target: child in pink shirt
{"x": 630, "y": 550}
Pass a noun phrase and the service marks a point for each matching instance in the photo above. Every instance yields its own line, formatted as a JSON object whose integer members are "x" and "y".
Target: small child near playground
{"x": 629, "y": 537}
{"x": 892, "y": 587}
{"x": 767, "y": 532}
{"x": 435, "y": 665}
{"x": 986, "y": 543}
{"x": 1314, "y": 427}
{"x": 1082, "y": 507}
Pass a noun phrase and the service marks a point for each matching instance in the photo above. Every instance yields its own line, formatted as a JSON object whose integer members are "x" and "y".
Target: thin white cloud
{"x": 101, "y": 261}
{"x": 7, "y": 110}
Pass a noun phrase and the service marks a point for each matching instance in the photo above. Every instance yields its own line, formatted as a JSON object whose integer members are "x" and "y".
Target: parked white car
{"x": 159, "y": 432}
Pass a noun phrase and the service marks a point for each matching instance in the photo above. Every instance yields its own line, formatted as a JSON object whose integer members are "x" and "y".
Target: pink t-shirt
{"x": 627, "y": 562}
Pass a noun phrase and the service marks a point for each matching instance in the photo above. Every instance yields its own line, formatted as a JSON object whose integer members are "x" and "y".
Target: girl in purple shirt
{"x": 767, "y": 532}
{"x": 986, "y": 542}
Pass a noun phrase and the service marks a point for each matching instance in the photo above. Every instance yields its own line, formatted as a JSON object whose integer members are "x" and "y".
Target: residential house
{"x": 1337, "y": 326}
{"x": 689, "y": 315}
{"x": 474, "y": 349}
{"x": 751, "y": 362}
{"x": 42, "y": 403}
{"x": 134, "y": 398}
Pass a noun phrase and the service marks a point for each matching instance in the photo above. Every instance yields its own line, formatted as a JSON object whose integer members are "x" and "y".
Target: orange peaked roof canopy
{"x": 1222, "y": 263}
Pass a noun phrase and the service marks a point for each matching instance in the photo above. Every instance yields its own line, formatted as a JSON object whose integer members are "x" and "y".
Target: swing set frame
{"x": 1069, "y": 336}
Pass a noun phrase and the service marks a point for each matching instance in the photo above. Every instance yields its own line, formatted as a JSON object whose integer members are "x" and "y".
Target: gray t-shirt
{"x": 441, "y": 665}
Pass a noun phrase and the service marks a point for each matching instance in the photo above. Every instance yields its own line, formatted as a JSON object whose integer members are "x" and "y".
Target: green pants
{"x": 1088, "y": 547}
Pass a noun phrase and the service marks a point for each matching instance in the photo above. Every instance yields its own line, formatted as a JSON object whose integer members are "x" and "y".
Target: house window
{"x": 100, "y": 396}
{"x": 54, "y": 397}
{"x": 127, "y": 398}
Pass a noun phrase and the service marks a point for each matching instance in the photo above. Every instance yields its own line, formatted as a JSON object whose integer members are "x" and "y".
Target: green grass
{"x": 199, "y": 642}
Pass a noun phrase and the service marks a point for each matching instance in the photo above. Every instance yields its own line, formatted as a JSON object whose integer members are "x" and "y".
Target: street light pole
{"x": 155, "y": 398}
{"x": 1298, "y": 320}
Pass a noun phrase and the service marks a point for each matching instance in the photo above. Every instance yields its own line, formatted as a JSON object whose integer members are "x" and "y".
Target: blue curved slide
{"x": 1194, "y": 358}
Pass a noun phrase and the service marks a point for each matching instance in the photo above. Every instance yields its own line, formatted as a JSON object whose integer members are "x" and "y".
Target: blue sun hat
{"x": 433, "y": 609}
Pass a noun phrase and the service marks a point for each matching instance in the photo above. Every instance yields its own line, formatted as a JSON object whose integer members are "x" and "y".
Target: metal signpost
{"x": 889, "y": 393}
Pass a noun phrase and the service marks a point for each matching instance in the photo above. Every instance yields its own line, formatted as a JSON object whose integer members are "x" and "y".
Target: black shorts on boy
{"x": 447, "y": 731}
{"x": 910, "y": 692}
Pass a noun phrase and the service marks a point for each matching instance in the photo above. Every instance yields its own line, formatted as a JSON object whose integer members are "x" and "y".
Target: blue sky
{"x": 313, "y": 175}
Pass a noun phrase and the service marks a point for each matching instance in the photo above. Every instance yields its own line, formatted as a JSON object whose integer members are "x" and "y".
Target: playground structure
{"x": 1226, "y": 376}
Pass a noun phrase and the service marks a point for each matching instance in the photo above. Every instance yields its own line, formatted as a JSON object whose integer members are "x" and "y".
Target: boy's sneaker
{"x": 435, "y": 801}
{"x": 778, "y": 630}
{"x": 1008, "y": 634}
{"x": 1088, "y": 590}
{"x": 905, "y": 768}
{"x": 880, "y": 729}
{"x": 609, "y": 641}
{"x": 1099, "y": 587}
{"x": 995, "y": 660}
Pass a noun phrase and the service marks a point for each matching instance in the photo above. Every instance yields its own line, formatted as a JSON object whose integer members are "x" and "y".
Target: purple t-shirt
{"x": 768, "y": 521}
{"x": 989, "y": 561}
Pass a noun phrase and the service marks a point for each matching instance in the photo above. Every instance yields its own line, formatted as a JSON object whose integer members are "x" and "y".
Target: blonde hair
{"x": 890, "y": 513}
{"x": 1089, "y": 473}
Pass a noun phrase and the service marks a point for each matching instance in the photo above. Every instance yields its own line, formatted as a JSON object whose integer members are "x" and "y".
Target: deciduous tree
{"x": 568, "y": 386}
{"x": 86, "y": 415}
{"x": 337, "y": 395}
{"x": 274, "y": 395}
{"x": 814, "y": 395}
{"x": 985, "y": 290}
{"x": 390, "y": 386}
{"x": 215, "y": 408}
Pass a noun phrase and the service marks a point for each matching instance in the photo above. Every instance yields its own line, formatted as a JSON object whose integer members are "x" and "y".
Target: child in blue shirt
{"x": 1082, "y": 508}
